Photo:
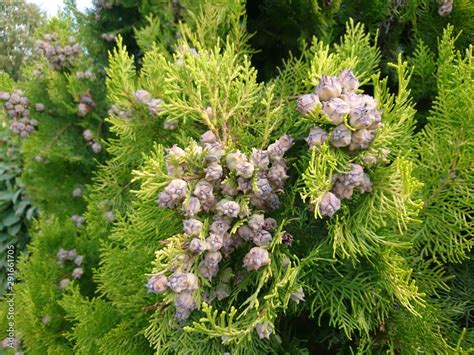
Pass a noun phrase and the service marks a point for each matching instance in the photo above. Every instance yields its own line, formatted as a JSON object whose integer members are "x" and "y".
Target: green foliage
{"x": 187, "y": 90}
{"x": 445, "y": 149}
{"x": 57, "y": 157}
{"x": 381, "y": 217}
{"x": 36, "y": 298}
{"x": 390, "y": 272}
{"x": 18, "y": 22}
{"x": 57, "y": 160}
{"x": 424, "y": 69}
{"x": 428, "y": 25}
{"x": 111, "y": 192}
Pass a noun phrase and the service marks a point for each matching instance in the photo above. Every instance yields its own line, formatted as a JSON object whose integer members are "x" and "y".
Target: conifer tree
{"x": 366, "y": 240}
{"x": 55, "y": 115}
{"x": 306, "y": 213}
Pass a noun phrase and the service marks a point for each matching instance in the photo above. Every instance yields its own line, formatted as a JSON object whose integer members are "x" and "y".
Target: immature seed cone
{"x": 307, "y": 103}
{"x": 235, "y": 159}
{"x": 260, "y": 158}
{"x": 365, "y": 184}
{"x": 245, "y": 170}
{"x": 329, "y": 204}
{"x": 78, "y": 220}
{"x": 298, "y": 296}
{"x": 219, "y": 226}
{"x": 208, "y": 137}
{"x": 214, "y": 151}
{"x": 213, "y": 171}
{"x": 263, "y": 188}
{"x": 263, "y": 330}
{"x": 96, "y": 147}
{"x": 77, "y": 192}
{"x": 143, "y": 96}
{"x": 244, "y": 185}
{"x": 355, "y": 174}
{"x": 231, "y": 242}
{"x": 87, "y": 134}
{"x": 360, "y": 139}
{"x": 245, "y": 232}
{"x": 214, "y": 242}
{"x": 170, "y": 125}
{"x": 262, "y": 238}
{"x": 61, "y": 255}
{"x": 277, "y": 150}
{"x": 82, "y": 109}
{"x": 212, "y": 258}
{"x": 228, "y": 208}
{"x": 369, "y": 160}
{"x": 287, "y": 239}
{"x": 341, "y": 136}
{"x": 277, "y": 176}
{"x": 340, "y": 187}
{"x": 174, "y": 152}
{"x": 222, "y": 291}
{"x": 256, "y": 221}
{"x": 316, "y": 137}
{"x": 204, "y": 191}
{"x": 191, "y": 207}
{"x": 445, "y": 8}
{"x": 256, "y": 258}
{"x": 270, "y": 224}
{"x": 4, "y": 95}
{"x": 63, "y": 283}
{"x": 78, "y": 260}
{"x": 71, "y": 254}
{"x": 155, "y": 108}
{"x": 336, "y": 109}
{"x": 328, "y": 88}
{"x": 177, "y": 189}
{"x": 185, "y": 304}
{"x": 208, "y": 271}
{"x": 157, "y": 283}
{"x": 229, "y": 189}
{"x": 180, "y": 281}
{"x": 348, "y": 81}
{"x": 192, "y": 227}
{"x": 185, "y": 300}
{"x": 198, "y": 246}
{"x": 77, "y": 273}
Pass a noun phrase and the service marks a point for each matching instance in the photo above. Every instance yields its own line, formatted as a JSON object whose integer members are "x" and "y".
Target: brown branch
{"x": 154, "y": 306}
{"x": 57, "y": 135}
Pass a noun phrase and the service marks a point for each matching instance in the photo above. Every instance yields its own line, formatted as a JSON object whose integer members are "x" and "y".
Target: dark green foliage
{"x": 37, "y": 298}
{"x": 445, "y": 148}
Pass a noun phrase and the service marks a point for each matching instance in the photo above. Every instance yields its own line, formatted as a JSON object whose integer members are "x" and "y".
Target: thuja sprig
{"x": 223, "y": 195}
{"x": 352, "y": 121}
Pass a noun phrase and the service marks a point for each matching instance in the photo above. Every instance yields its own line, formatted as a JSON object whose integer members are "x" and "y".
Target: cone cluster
{"x": 224, "y": 197}
{"x": 85, "y": 105}
{"x": 16, "y": 105}
{"x": 70, "y": 256}
{"x": 353, "y": 121}
{"x": 89, "y": 137}
{"x": 58, "y": 56}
